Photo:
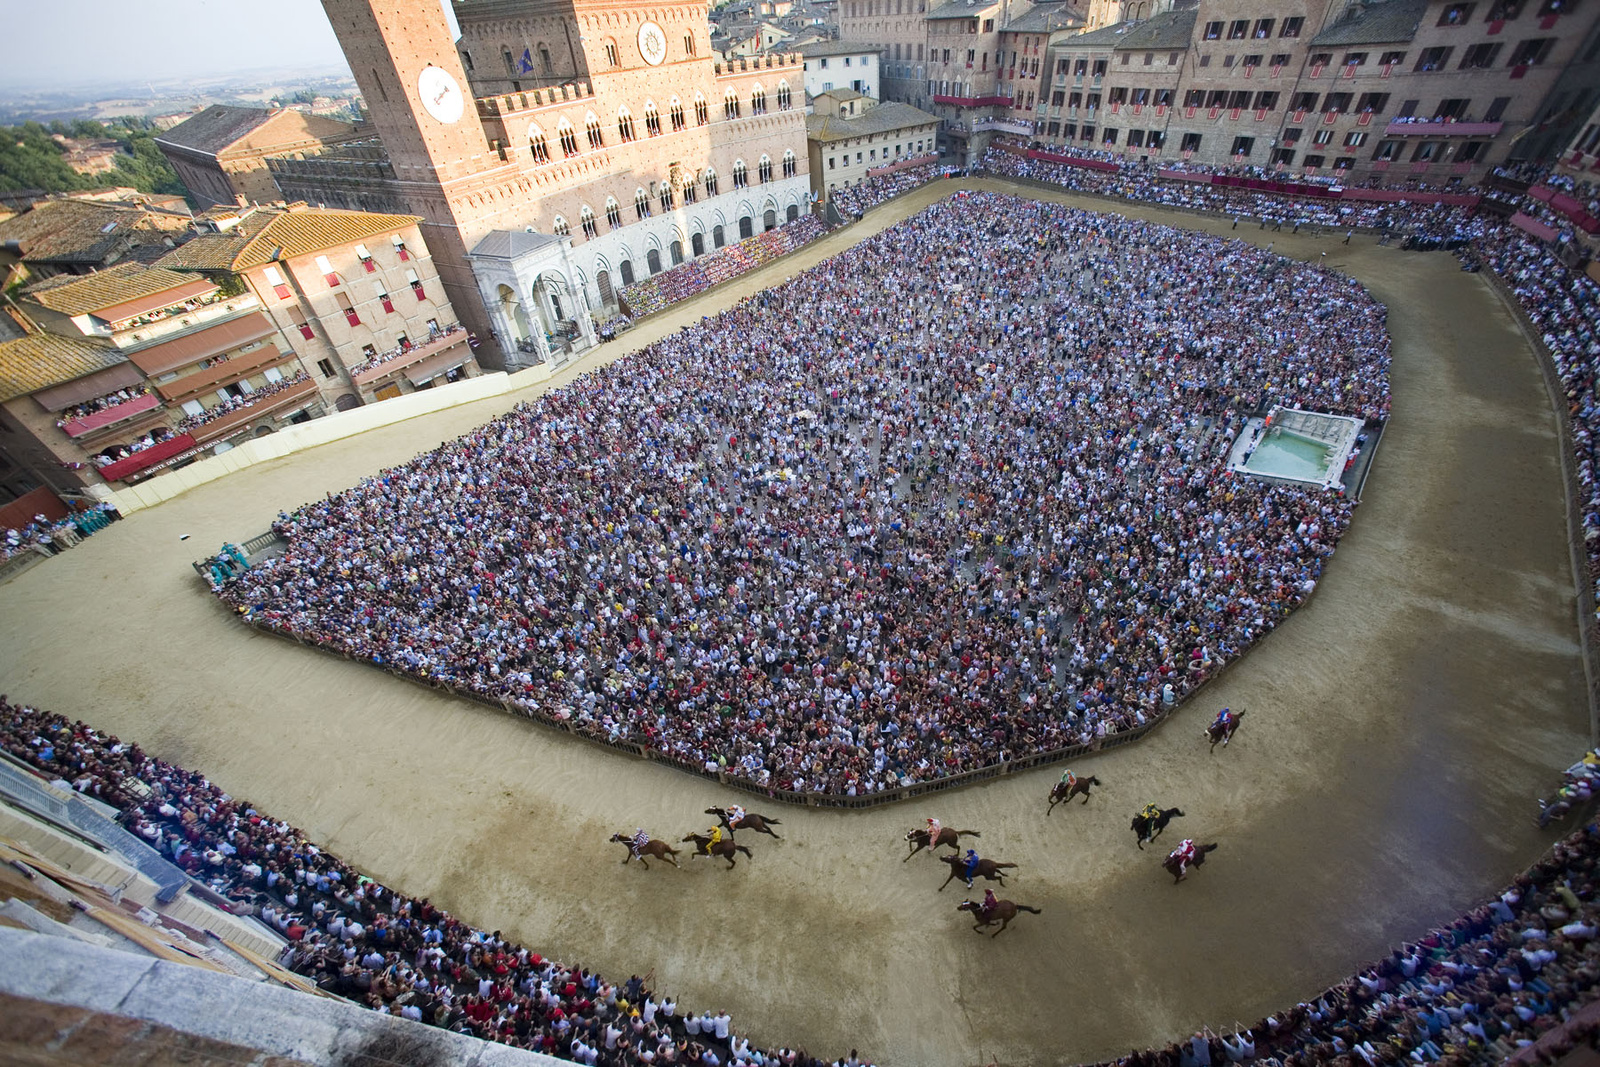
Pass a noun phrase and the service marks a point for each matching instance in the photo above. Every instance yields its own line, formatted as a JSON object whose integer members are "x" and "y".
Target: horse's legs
{"x": 947, "y": 880}
{"x": 914, "y": 850}
{"x": 643, "y": 864}
{"x": 1003, "y": 924}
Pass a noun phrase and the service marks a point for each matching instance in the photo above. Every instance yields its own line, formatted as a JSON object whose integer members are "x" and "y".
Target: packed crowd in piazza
{"x": 919, "y": 509}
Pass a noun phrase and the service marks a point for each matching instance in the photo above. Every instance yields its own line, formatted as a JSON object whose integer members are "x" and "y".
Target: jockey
{"x": 716, "y": 838}
{"x": 989, "y": 903}
{"x": 971, "y": 866}
{"x": 1184, "y": 853}
{"x": 933, "y": 832}
{"x": 735, "y": 815}
{"x": 1069, "y": 780}
{"x": 640, "y": 839}
{"x": 1151, "y": 812}
{"x": 1224, "y": 719}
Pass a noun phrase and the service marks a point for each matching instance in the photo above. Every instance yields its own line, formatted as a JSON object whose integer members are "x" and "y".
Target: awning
{"x": 225, "y": 373}
{"x": 1541, "y": 230}
{"x": 89, "y": 386}
{"x": 443, "y": 363}
{"x": 150, "y": 457}
{"x": 156, "y": 301}
{"x": 111, "y": 415}
{"x": 213, "y": 341}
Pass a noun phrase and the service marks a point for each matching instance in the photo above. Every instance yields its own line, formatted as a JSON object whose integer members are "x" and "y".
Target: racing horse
{"x": 918, "y": 839}
{"x": 1003, "y": 912}
{"x": 723, "y": 849}
{"x": 1175, "y": 865}
{"x": 760, "y": 824}
{"x": 1148, "y": 829}
{"x": 658, "y": 849}
{"x": 1064, "y": 792}
{"x": 993, "y": 870}
{"x": 1217, "y": 733}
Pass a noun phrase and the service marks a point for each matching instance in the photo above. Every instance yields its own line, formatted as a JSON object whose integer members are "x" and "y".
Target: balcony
{"x": 154, "y": 456}
{"x": 235, "y": 420}
{"x": 183, "y": 349}
{"x": 1402, "y": 128}
{"x": 116, "y": 415}
{"x": 400, "y": 359}
{"x": 224, "y": 373}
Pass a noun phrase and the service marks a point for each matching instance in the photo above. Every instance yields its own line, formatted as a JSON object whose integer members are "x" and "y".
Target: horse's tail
{"x": 1004, "y": 866}
{"x": 1030, "y": 911}
{"x": 746, "y": 851}
{"x": 1093, "y": 780}
{"x": 774, "y": 822}
{"x": 968, "y": 833}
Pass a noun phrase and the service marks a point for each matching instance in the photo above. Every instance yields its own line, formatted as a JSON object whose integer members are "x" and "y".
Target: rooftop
{"x": 86, "y": 231}
{"x": 512, "y": 244}
{"x": 838, "y": 48}
{"x": 282, "y": 233}
{"x": 884, "y": 118}
{"x": 1380, "y": 23}
{"x": 1168, "y": 30}
{"x": 960, "y": 9}
{"x": 1044, "y": 19}
{"x": 215, "y": 128}
{"x": 80, "y": 294}
{"x": 41, "y": 360}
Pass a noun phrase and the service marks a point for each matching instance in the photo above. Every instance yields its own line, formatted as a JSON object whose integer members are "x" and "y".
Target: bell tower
{"x": 404, "y": 59}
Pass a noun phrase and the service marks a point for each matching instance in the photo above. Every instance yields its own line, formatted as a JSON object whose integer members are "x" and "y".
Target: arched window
{"x": 611, "y": 52}
{"x": 711, "y": 181}
{"x": 538, "y": 145}
{"x": 560, "y": 227}
{"x": 544, "y": 60}
{"x": 665, "y": 194}
{"x": 764, "y": 169}
{"x": 758, "y": 101}
{"x": 790, "y": 164}
{"x": 785, "y": 98}
{"x": 718, "y": 237}
{"x": 568, "y": 138}
{"x": 730, "y": 105}
{"x": 652, "y": 119}
{"x": 596, "y": 138}
{"x": 702, "y": 111}
{"x": 624, "y": 124}
{"x": 652, "y": 260}
{"x": 675, "y": 109}
{"x": 741, "y": 178}
{"x": 698, "y": 244}
{"x": 688, "y": 44}
{"x": 641, "y": 204}
{"x": 586, "y": 220}
{"x": 690, "y": 190}
{"x": 613, "y": 212}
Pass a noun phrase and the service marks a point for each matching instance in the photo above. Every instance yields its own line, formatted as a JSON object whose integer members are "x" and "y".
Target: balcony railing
{"x": 1402, "y": 128}
{"x": 111, "y": 416}
{"x": 229, "y": 423}
{"x": 399, "y": 359}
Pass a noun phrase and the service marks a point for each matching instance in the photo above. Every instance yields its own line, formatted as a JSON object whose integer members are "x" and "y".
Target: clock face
{"x": 441, "y": 96}
{"x": 652, "y": 44}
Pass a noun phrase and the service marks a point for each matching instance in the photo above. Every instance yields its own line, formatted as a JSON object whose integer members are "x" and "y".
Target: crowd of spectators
{"x": 694, "y": 277}
{"x": 956, "y": 496}
{"x": 435, "y": 332}
{"x": 100, "y": 403}
{"x": 1476, "y": 990}
{"x": 50, "y": 537}
{"x": 363, "y": 941}
{"x": 241, "y": 401}
{"x": 856, "y": 200}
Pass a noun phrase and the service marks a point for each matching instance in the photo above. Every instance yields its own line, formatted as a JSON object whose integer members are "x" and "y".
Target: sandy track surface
{"x": 1400, "y": 726}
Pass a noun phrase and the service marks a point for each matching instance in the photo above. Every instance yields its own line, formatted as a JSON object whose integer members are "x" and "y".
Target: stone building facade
{"x": 627, "y": 142}
{"x": 220, "y": 153}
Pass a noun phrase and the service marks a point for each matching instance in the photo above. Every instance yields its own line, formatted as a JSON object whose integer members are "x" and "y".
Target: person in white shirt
{"x": 721, "y": 1024}
{"x": 691, "y": 1023}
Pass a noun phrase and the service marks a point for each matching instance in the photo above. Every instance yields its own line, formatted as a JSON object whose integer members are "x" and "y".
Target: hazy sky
{"x": 65, "y": 43}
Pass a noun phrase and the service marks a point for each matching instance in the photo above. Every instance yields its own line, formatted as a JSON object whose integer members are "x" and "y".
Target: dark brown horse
{"x": 1064, "y": 792}
{"x": 1149, "y": 827}
{"x": 918, "y": 839}
{"x": 724, "y": 848}
{"x": 1178, "y": 869}
{"x": 1217, "y": 733}
{"x": 760, "y": 824}
{"x": 1002, "y": 912}
{"x": 993, "y": 870}
{"x": 659, "y": 849}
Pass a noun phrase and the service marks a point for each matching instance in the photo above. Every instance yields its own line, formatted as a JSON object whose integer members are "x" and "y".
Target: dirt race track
{"x": 1400, "y": 726}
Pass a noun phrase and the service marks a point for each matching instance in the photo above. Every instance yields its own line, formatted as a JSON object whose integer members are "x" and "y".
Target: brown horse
{"x": 761, "y": 824}
{"x": 918, "y": 839}
{"x": 724, "y": 848}
{"x": 1175, "y": 866}
{"x": 1064, "y": 792}
{"x": 993, "y": 870}
{"x": 659, "y": 849}
{"x": 1150, "y": 828}
{"x": 1003, "y": 912}
{"x": 1217, "y": 733}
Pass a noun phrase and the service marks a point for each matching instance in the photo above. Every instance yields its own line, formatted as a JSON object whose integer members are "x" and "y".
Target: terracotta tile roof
{"x": 885, "y": 118}
{"x": 123, "y": 283}
{"x": 84, "y": 231}
{"x": 215, "y": 128}
{"x": 217, "y": 251}
{"x": 300, "y": 232}
{"x": 42, "y": 360}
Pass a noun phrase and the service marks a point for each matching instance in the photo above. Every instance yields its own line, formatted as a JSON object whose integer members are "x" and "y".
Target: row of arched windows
{"x": 667, "y": 195}
{"x": 567, "y": 137}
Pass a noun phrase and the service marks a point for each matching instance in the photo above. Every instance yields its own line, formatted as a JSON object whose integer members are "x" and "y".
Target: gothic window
{"x": 790, "y": 164}
{"x": 613, "y": 212}
{"x": 624, "y": 124}
{"x": 758, "y": 101}
{"x": 652, "y": 119}
{"x": 730, "y": 105}
{"x": 560, "y": 227}
{"x": 537, "y": 145}
{"x": 764, "y": 169}
{"x": 544, "y": 60}
{"x": 596, "y": 138}
{"x": 641, "y": 204}
{"x": 611, "y": 53}
{"x": 785, "y": 98}
{"x": 586, "y": 220}
{"x": 568, "y": 138}
{"x": 675, "y": 110}
{"x": 690, "y": 194}
{"x": 666, "y": 196}
{"x": 688, "y": 44}
{"x": 711, "y": 181}
{"x": 740, "y": 177}
{"x": 702, "y": 113}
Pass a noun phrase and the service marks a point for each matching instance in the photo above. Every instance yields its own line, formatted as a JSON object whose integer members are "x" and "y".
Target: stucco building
{"x": 851, "y": 136}
{"x": 220, "y": 153}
